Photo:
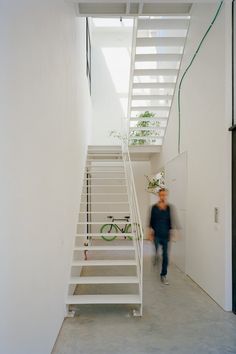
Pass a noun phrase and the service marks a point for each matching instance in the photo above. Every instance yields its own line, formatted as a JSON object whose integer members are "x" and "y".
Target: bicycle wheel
{"x": 137, "y": 230}
{"x": 128, "y": 230}
{"x": 106, "y": 230}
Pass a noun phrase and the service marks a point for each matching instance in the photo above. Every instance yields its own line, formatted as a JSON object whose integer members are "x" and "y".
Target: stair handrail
{"x": 136, "y": 222}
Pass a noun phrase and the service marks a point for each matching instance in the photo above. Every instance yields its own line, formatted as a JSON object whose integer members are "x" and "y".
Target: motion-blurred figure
{"x": 161, "y": 225}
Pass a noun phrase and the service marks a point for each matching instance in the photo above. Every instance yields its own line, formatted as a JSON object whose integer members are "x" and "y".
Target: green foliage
{"x": 137, "y": 135}
{"x": 144, "y": 133}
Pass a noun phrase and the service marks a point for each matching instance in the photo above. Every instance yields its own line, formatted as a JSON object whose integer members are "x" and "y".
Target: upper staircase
{"x": 106, "y": 265}
{"x": 157, "y": 50}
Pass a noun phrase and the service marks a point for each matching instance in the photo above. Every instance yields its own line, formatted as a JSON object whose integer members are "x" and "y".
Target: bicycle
{"x": 106, "y": 229}
{"x": 113, "y": 228}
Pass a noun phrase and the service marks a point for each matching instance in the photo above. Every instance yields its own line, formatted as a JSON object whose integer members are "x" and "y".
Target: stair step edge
{"x": 103, "y": 299}
{"x": 102, "y": 262}
{"x": 104, "y": 248}
{"x": 104, "y": 280}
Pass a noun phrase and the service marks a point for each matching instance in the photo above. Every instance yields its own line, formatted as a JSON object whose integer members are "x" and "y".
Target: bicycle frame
{"x": 122, "y": 230}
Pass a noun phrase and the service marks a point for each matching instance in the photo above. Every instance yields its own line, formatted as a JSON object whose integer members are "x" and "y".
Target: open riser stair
{"x": 105, "y": 266}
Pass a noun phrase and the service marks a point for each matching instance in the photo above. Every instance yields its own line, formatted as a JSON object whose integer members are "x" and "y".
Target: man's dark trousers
{"x": 164, "y": 244}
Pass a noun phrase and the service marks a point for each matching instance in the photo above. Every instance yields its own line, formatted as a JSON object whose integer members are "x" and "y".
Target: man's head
{"x": 162, "y": 194}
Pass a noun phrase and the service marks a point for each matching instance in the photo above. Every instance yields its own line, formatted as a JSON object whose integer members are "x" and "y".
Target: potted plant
{"x": 155, "y": 183}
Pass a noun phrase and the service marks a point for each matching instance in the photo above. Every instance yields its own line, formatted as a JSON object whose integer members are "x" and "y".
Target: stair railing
{"x": 136, "y": 223}
{"x": 135, "y": 218}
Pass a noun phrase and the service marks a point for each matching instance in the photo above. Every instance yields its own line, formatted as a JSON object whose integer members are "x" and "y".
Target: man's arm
{"x": 150, "y": 234}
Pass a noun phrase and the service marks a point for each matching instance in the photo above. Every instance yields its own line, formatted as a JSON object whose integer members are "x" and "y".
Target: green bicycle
{"x": 107, "y": 229}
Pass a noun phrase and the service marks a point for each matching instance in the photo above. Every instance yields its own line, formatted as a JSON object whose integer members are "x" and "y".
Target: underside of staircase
{"x": 104, "y": 268}
{"x": 157, "y": 51}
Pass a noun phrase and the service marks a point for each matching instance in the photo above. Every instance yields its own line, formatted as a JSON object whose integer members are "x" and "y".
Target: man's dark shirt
{"x": 160, "y": 222}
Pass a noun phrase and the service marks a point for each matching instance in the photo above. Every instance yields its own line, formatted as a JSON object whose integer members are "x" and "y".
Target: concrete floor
{"x": 179, "y": 318}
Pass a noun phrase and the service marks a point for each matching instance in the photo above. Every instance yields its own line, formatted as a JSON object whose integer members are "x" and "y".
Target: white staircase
{"x": 107, "y": 271}
{"x": 158, "y": 45}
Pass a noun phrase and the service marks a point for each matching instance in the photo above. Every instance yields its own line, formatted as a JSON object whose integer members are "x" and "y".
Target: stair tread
{"x": 119, "y": 178}
{"x": 104, "y": 158}
{"x": 163, "y": 24}
{"x": 151, "y": 129}
{"x": 157, "y": 57}
{"x": 104, "y": 280}
{"x": 103, "y": 299}
{"x": 153, "y": 85}
{"x": 107, "y": 234}
{"x": 150, "y": 97}
{"x": 155, "y": 72}
{"x": 151, "y": 108}
{"x": 151, "y": 119}
{"x": 125, "y": 202}
{"x": 107, "y": 185}
{"x": 160, "y": 41}
{"x": 104, "y": 212}
{"x": 105, "y": 262}
{"x": 104, "y": 248}
{"x": 104, "y": 193}
{"x": 98, "y": 164}
{"x": 103, "y": 222}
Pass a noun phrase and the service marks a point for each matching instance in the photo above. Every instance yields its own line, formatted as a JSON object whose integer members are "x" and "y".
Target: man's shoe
{"x": 164, "y": 280}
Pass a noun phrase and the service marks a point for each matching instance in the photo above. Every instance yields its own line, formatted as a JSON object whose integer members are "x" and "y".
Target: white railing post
{"x": 135, "y": 216}
{"x": 132, "y": 196}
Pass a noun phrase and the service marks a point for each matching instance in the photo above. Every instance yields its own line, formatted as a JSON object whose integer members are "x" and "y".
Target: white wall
{"x": 110, "y": 81}
{"x": 206, "y": 116}
{"x": 176, "y": 182}
{"x": 44, "y": 110}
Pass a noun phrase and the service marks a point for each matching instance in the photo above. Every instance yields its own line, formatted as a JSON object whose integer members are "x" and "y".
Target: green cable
{"x": 188, "y": 67}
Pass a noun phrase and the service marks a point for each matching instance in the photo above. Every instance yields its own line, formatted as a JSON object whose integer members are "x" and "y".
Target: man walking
{"x": 160, "y": 223}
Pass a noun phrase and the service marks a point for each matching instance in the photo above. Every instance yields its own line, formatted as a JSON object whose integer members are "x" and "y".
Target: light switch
{"x": 216, "y": 215}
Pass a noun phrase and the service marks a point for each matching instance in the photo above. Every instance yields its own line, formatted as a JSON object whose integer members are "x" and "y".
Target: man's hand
{"x": 150, "y": 234}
